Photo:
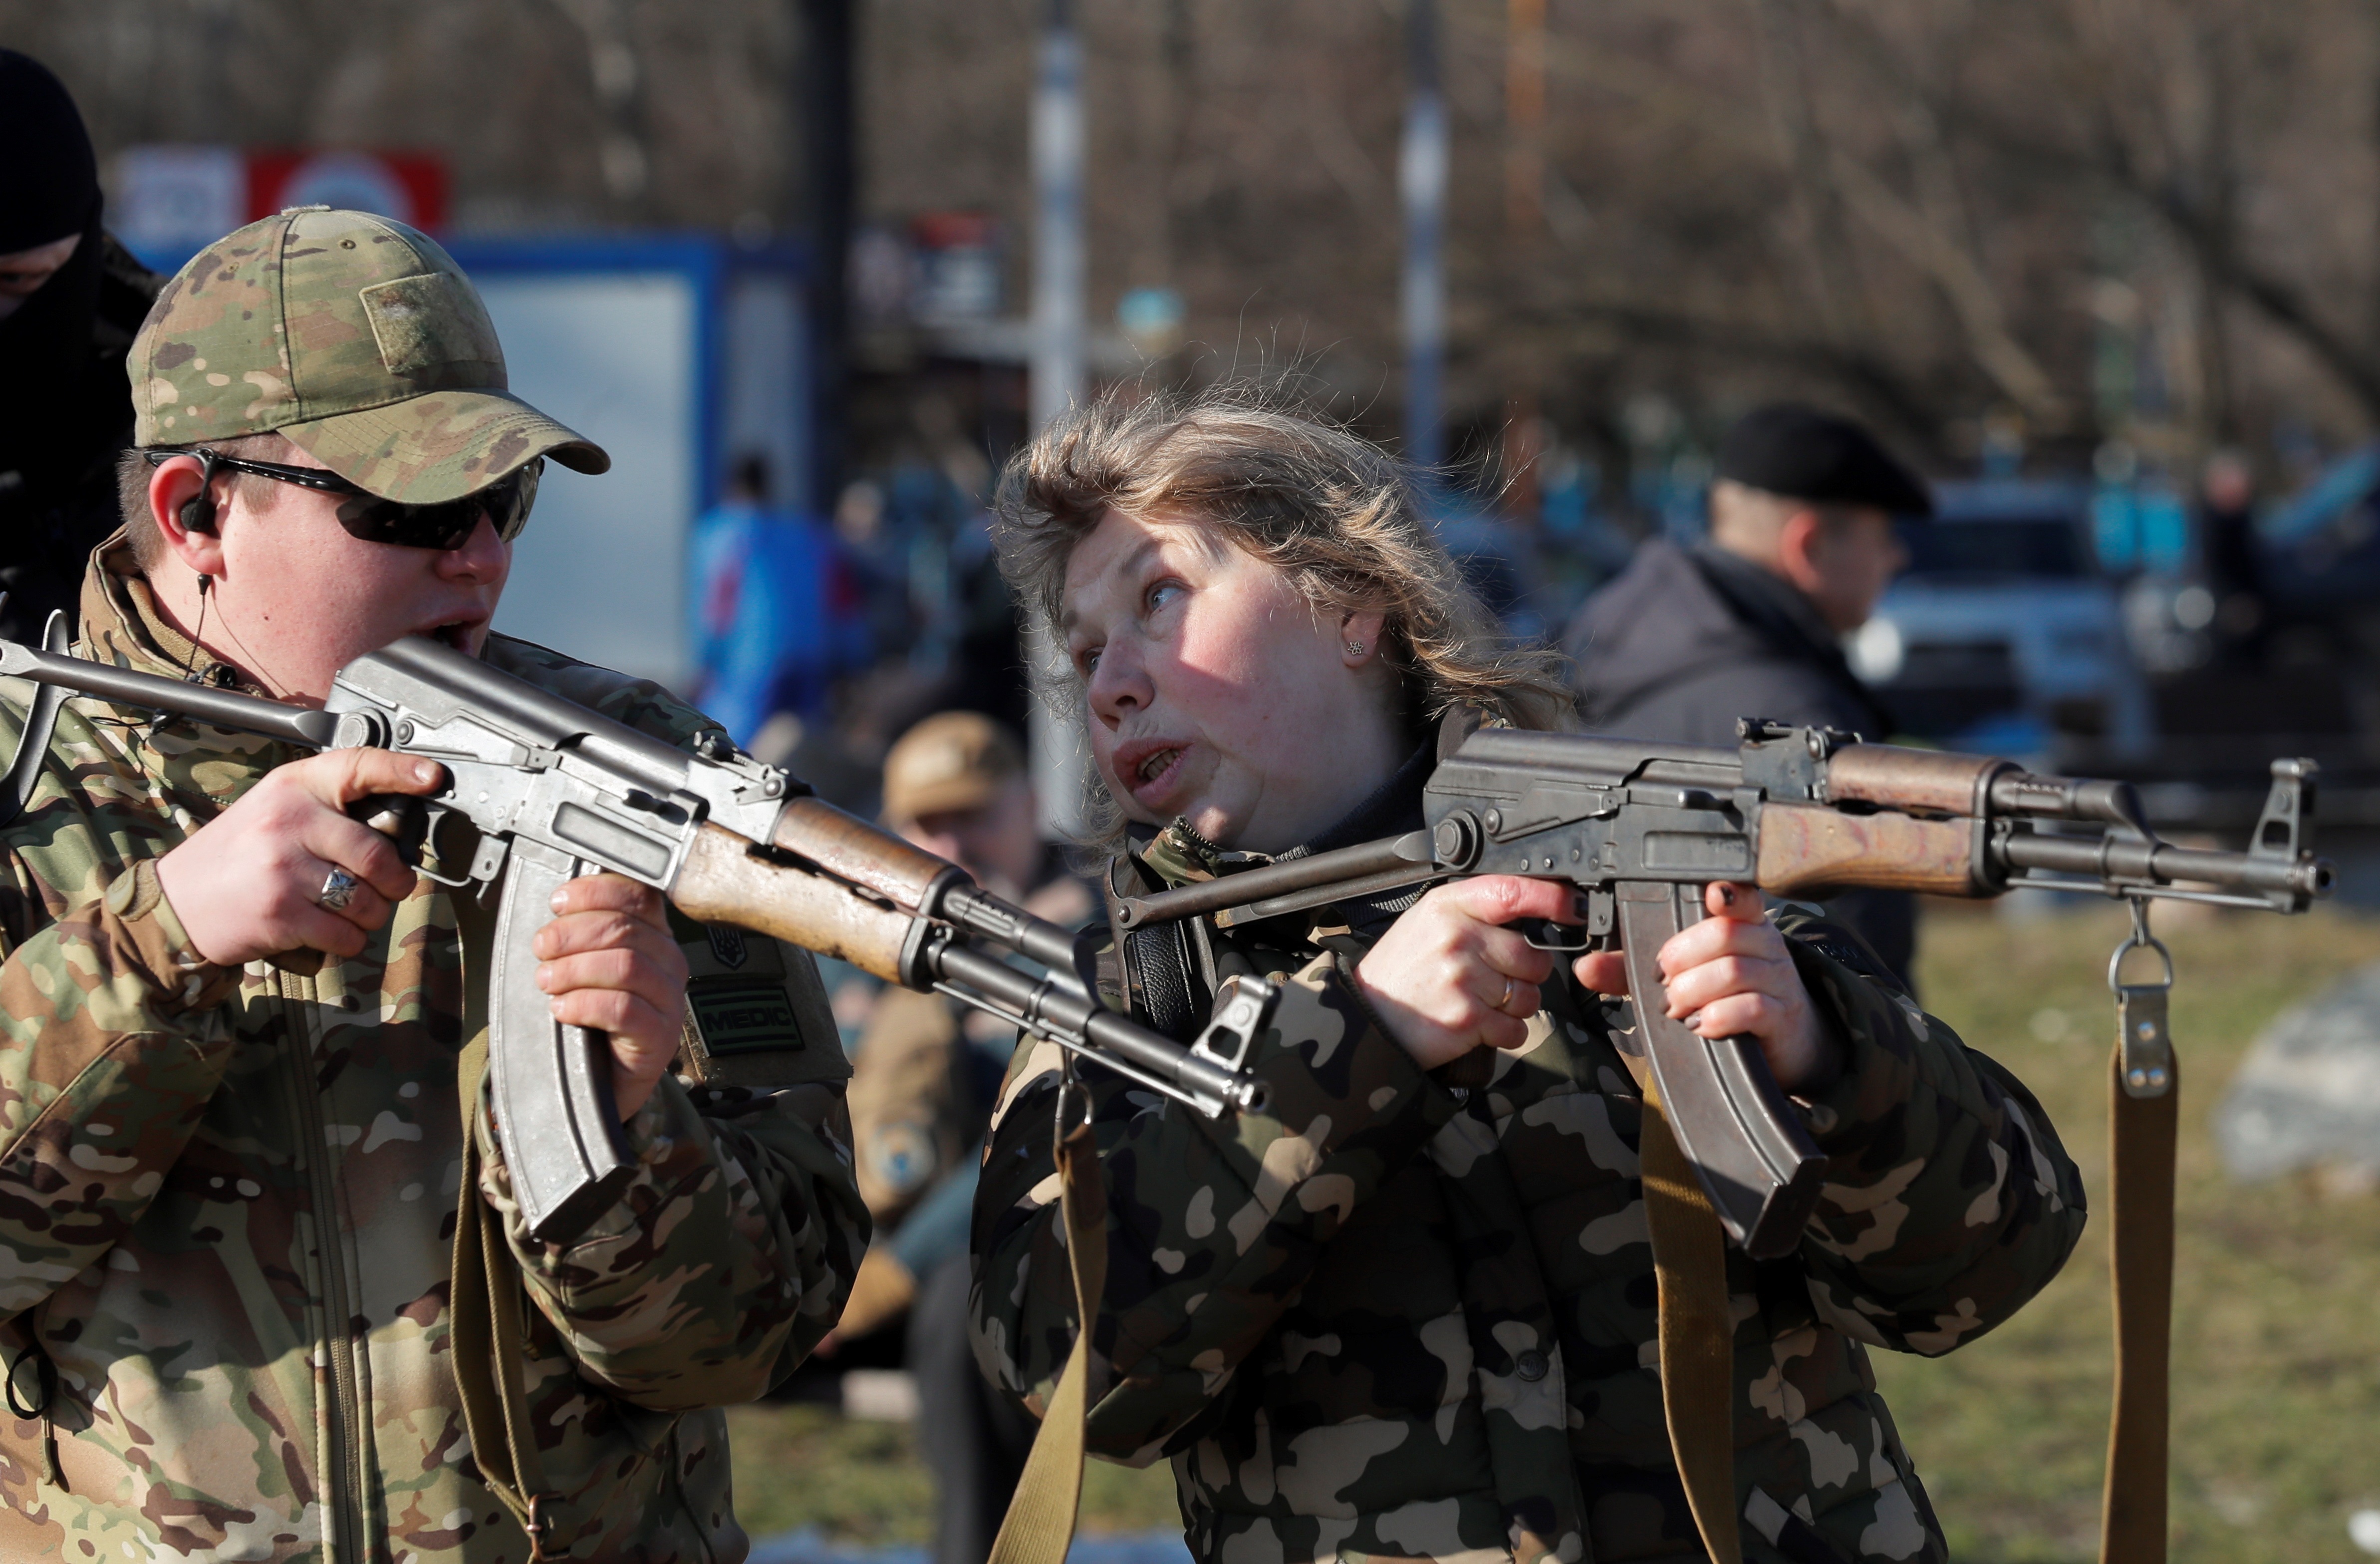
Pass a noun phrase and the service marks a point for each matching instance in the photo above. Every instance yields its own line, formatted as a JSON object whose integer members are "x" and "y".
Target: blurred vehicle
{"x": 2318, "y": 556}
{"x": 2002, "y": 633}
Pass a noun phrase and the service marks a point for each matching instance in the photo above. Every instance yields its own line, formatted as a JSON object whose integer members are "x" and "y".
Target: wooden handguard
{"x": 1927, "y": 781}
{"x": 724, "y": 881}
{"x": 851, "y": 849}
{"x": 1807, "y": 850}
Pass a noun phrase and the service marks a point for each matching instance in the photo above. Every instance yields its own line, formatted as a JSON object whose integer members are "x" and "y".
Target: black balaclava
{"x": 49, "y": 188}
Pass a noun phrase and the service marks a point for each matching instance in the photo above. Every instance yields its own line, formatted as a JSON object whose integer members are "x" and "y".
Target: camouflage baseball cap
{"x": 951, "y": 761}
{"x": 357, "y": 337}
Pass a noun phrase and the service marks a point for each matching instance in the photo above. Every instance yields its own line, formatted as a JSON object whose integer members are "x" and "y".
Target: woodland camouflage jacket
{"x": 1392, "y": 1317}
{"x": 227, "y": 1200}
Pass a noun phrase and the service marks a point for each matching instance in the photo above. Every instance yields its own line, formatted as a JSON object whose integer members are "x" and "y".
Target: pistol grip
{"x": 1745, "y": 1138}
{"x": 401, "y": 817}
{"x": 552, "y": 1083}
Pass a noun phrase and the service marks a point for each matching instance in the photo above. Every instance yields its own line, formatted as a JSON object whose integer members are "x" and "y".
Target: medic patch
{"x": 742, "y": 1016}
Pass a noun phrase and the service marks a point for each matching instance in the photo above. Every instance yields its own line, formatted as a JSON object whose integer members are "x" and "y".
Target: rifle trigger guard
{"x": 2143, "y": 1040}
{"x": 1544, "y": 934}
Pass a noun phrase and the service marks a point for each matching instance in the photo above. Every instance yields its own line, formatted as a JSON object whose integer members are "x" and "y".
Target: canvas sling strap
{"x": 2145, "y": 1094}
{"x": 487, "y": 1341}
{"x": 1040, "y": 1521}
{"x": 1697, "y": 1341}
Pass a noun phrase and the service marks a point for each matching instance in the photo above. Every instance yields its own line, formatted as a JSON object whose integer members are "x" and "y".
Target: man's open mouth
{"x": 456, "y": 634}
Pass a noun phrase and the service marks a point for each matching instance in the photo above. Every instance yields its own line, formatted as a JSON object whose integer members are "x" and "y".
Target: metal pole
{"x": 1060, "y": 754}
{"x": 1524, "y": 179}
{"x": 829, "y": 184}
{"x": 1057, "y": 331}
{"x": 1421, "y": 179}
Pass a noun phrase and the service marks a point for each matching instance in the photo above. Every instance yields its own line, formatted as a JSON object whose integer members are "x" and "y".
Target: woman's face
{"x": 1217, "y": 691}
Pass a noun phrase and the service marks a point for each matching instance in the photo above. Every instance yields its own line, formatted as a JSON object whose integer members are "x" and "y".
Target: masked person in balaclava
{"x": 70, "y": 299}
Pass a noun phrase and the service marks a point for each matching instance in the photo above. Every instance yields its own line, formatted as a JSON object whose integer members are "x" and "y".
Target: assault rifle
{"x": 1640, "y": 828}
{"x": 546, "y": 790}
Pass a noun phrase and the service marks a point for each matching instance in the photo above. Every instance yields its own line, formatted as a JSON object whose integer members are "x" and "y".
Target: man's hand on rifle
{"x": 252, "y": 881}
{"x": 610, "y": 963}
{"x": 1730, "y": 974}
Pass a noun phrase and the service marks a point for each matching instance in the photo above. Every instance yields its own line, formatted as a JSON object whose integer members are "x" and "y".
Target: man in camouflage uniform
{"x": 229, "y": 1175}
{"x": 1410, "y": 1313}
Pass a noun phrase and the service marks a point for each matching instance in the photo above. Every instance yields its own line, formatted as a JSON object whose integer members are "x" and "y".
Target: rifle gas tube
{"x": 541, "y": 790}
{"x": 1640, "y": 828}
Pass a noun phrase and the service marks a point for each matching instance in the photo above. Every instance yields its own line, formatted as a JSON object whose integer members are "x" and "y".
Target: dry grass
{"x": 2277, "y": 1402}
{"x": 865, "y": 1483}
{"x": 2276, "y": 1383}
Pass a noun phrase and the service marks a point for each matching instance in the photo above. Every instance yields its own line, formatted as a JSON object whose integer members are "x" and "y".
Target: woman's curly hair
{"x": 1337, "y": 515}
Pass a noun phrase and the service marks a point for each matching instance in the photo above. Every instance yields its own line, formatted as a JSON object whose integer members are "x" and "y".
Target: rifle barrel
{"x": 2122, "y": 857}
{"x": 1044, "y": 1000}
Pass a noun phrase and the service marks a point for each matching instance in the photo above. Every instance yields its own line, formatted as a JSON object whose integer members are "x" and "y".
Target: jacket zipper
{"x": 341, "y": 1478}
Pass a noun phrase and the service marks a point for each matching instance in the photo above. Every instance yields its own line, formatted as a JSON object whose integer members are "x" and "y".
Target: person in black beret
{"x": 1750, "y": 623}
{"x": 71, "y": 299}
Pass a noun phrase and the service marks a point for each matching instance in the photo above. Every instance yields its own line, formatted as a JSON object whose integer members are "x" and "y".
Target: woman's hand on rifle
{"x": 1727, "y": 975}
{"x": 1448, "y": 977}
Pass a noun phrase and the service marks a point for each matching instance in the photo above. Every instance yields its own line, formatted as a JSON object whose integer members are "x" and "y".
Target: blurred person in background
{"x": 1750, "y": 623}
{"x": 778, "y": 612}
{"x": 70, "y": 299}
{"x": 2227, "y": 520}
{"x": 922, "y": 1088}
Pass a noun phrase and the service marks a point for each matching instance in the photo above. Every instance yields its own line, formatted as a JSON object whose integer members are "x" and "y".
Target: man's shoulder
{"x": 639, "y": 702}
{"x": 92, "y": 808}
{"x": 1658, "y": 624}
{"x": 1662, "y": 591}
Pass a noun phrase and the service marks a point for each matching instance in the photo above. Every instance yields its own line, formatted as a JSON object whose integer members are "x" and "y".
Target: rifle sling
{"x": 489, "y": 1343}
{"x": 2133, "y": 1524}
{"x": 1697, "y": 1341}
{"x": 1040, "y": 1521}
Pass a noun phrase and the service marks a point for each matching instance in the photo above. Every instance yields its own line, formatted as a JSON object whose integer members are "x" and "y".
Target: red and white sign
{"x": 177, "y": 198}
{"x": 409, "y": 186}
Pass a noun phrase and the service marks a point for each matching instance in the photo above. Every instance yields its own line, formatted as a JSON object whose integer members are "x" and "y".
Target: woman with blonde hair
{"x": 1408, "y": 1309}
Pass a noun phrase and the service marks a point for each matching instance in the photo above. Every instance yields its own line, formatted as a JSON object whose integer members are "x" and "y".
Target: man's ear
{"x": 1801, "y": 549}
{"x": 179, "y": 494}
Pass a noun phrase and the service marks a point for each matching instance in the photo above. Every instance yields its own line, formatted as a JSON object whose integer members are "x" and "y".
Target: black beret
{"x": 1803, "y": 454}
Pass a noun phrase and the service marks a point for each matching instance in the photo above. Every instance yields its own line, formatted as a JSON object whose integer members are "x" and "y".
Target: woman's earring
{"x": 1354, "y": 648}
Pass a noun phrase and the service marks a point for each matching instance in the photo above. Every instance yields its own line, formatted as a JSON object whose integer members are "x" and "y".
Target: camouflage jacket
{"x": 1395, "y": 1317}
{"x": 227, "y": 1200}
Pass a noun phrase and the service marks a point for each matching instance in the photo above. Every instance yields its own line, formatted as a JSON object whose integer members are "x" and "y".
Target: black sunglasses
{"x": 442, "y": 524}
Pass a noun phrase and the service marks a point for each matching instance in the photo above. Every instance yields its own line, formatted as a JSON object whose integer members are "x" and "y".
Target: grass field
{"x": 2277, "y": 1370}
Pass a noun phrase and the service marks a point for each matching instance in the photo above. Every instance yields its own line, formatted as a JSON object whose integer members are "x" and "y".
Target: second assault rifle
{"x": 540, "y": 790}
{"x": 1640, "y": 828}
